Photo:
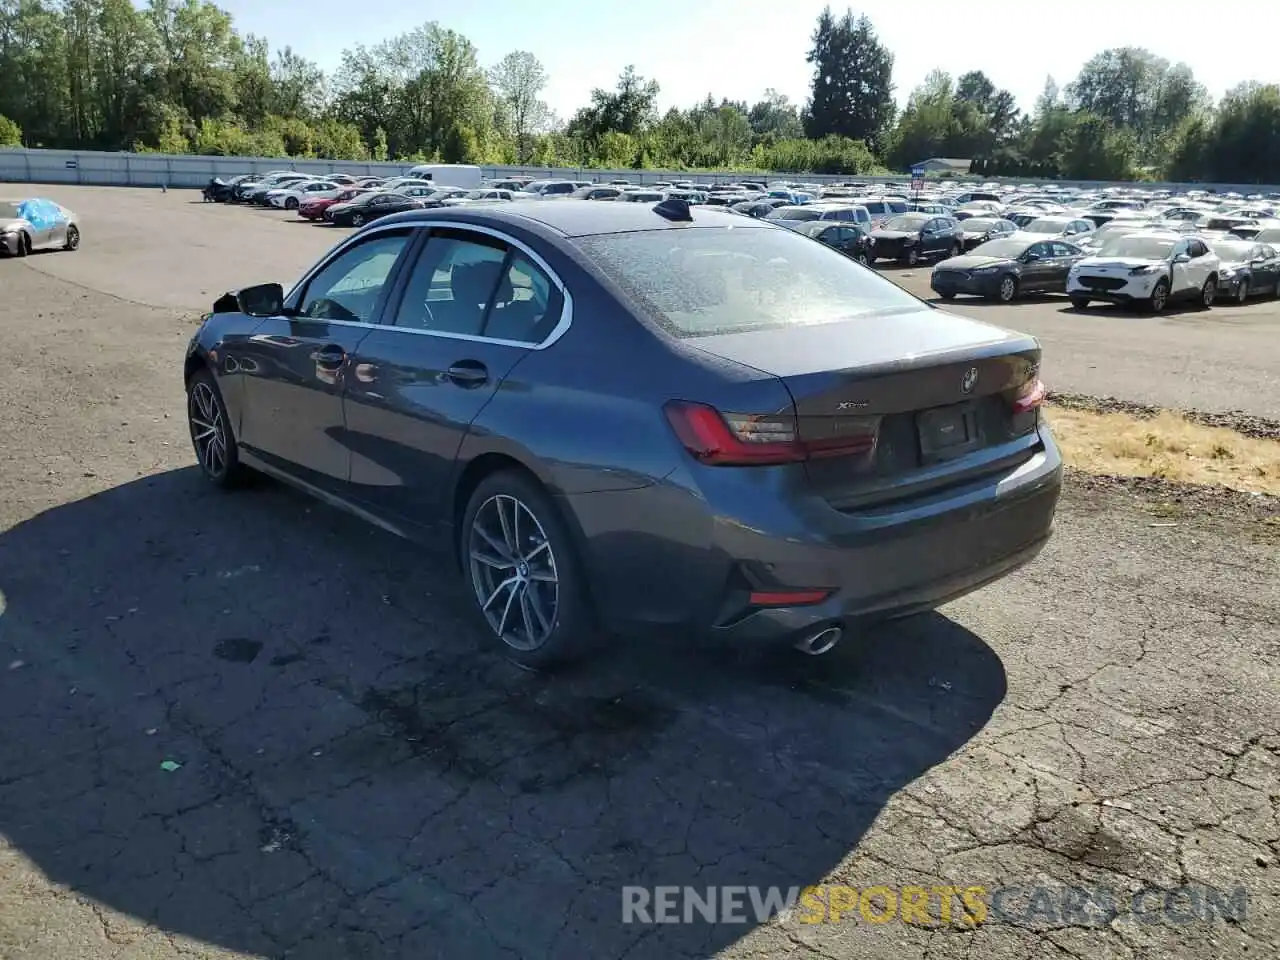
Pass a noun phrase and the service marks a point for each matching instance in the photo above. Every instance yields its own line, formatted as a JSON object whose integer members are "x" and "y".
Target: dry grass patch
{"x": 1166, "y": 446}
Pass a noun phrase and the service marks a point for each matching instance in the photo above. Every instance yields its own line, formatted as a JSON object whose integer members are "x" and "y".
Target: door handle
{"x": 468, "y": 373}
{"x": 329, "y": 357}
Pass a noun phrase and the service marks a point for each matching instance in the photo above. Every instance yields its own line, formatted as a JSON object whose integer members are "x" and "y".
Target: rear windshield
{"x": 707, "y": 281}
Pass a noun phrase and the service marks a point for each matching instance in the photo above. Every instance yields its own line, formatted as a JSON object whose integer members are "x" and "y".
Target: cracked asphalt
{"x": 352, "y": 776}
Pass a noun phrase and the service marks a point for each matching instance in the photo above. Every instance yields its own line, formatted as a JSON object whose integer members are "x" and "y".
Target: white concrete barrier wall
{"x": 154, "y": 170}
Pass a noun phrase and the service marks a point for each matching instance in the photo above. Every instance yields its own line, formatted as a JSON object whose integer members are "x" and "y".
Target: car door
{"x": 1059, "y": 265}
{"x": 473, "y": 304}
{"x": 1037, "y": 267}
{"x": 1182, "y": 272}
{"x": 43, "y": 217}
{"x": 1266, "y": 267}
{"x": 1201, "y": 263}
{"x": 850, "y": 239}
{"x": 296, "y": 365}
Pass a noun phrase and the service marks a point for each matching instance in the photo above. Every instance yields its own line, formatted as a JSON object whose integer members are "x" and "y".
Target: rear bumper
{"x": 696, "y": 560}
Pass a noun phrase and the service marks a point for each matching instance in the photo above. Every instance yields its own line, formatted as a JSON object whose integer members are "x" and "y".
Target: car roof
{"x": 580, "y": 218}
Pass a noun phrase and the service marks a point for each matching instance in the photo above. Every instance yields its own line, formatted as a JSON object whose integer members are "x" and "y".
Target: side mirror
{"x": 1030, "y": 257}
{"x": 1182, "y": 258}
{"x": 262, "y": 300}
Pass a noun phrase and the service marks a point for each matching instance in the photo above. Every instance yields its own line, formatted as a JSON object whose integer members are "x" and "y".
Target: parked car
{"x": 849, "y": 238}
{"x": 546, "y": 189}
{"x": 218, "y": 190}
{"x": 369, "y": 207}
{"x": 257, "y": 193}
{"x": 597, "y": 191}
{"x": 417, "y": 375}
{"x": 976, "y": 231}
{"x": 1062, "y": 227}
{"x": 314, "y": 207}
{"x": 912, "y": 237}
{"x": 483, "y": 195}
{"x": 1151, "y": 269}
{"x": 291, "y": 197}
{"x": 823, "y": 210}
{"x": 1006, "y": 267}
{"x": 36, "y": 223}
{"x": 1247, "y": 269}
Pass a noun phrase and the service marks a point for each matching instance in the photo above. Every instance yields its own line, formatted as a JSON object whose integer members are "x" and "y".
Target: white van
{"x": 448, "y": 174}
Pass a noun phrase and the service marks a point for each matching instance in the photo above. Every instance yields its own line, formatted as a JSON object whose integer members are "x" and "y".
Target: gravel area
{"x": 1248, "y": 424}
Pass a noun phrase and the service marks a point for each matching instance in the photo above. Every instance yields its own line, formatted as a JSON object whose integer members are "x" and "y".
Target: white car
{"x": 291, "y": 197}
{"x": 484, "y": 195}
{"x": 1146, "y": 268}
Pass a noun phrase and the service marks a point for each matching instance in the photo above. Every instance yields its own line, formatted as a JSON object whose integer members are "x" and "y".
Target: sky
{"x": 738, "y": 48}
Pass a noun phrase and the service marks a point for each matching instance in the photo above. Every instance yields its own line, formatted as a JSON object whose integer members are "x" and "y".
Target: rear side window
{"x": 897, "y": 206}
{"x": 473, "y": 285}
{"x": 708, "y": 281}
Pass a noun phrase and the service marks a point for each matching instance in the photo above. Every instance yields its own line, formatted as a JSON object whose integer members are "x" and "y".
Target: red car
{"x": 314, "y": 208}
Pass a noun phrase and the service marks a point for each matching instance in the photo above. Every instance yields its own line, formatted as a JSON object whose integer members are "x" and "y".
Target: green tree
{"x": 852, "y": 90}
{"x": 10, "y": 133}
{"x": 519, "y": 79}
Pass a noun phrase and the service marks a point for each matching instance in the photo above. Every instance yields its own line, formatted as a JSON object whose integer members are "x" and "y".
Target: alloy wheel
{"x": 1242, "y": 292}
{"x": 208, "y": 430}
{"x": 358, "y": 220}
{"x": 73, "y": 238}
{"x": 513, "y": 572}
{"x": 1208, "y": 293}
{"x": 913, "y": 257}
{"x": 1007, "y": 289}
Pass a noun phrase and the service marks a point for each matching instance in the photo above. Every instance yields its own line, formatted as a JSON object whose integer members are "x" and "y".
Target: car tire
{"x": 1079, "y": 303}
{"x": 291, "y": 203}
{"x": 912, "y": 258}
{"x": 1008, "y": 289}
{"x": 1159, "y": 298}
{"x": 357, "y": 220}
{"x": 955, "y": 250}
{"x": 1208, "y": 293}
{"x": 1242, "y": 291}
{"x": 210, "y": 427}
{"x": 512, "y": 531}
{"x": 863, "y": 259}
{"x": 73, "y": 239}
{"x": 24, "y": 245}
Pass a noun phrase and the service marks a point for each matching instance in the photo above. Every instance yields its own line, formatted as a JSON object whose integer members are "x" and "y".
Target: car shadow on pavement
{"x": 254, "y": 721}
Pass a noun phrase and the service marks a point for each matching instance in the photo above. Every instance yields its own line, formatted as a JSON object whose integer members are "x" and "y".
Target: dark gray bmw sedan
{"x": 635, "y": 417}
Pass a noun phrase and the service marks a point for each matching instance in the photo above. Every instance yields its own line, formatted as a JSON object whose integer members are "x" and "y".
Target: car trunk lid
{"x": 900, "y": 402}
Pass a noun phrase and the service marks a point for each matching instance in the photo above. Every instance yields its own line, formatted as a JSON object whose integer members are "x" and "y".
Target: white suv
{"x": 1150, "y": 268}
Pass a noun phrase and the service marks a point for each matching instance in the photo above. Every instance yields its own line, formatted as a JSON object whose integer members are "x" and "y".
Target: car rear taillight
{"x": 1031, "y": 395}
{"x": 742, "y": 439}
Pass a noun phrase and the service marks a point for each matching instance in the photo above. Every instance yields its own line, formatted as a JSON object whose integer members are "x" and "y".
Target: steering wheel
{"x": 327, "y": 308}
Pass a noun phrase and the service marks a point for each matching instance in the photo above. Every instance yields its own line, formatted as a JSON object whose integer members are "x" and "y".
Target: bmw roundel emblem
{"x": 969, "y": 380}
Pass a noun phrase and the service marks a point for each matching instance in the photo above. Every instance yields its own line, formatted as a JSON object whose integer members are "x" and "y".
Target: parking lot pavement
{"x": 245, "y": 725}
{"x": 171, "y": 250}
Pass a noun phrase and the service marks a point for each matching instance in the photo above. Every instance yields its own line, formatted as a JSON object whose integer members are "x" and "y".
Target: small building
{"x": 945, "y": 165}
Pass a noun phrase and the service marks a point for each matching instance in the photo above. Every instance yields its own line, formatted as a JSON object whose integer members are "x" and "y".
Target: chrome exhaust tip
{"x": 821, "y": 642}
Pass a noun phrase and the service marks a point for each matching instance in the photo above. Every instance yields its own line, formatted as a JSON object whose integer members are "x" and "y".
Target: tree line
{"x": 177, "y": 77}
